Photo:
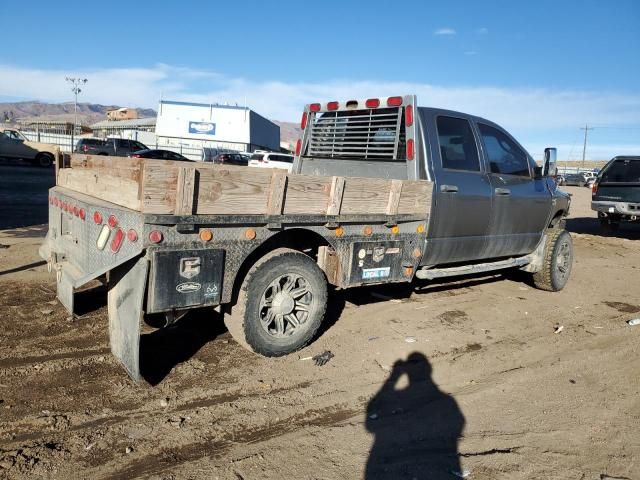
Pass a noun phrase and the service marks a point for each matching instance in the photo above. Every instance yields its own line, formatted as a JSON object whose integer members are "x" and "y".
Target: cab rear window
{"x": 257, "y": 156}
{"x": 622, "y": 171}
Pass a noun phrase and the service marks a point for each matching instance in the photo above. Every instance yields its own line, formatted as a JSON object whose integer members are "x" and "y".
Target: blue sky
{"x": 541, "y": 69}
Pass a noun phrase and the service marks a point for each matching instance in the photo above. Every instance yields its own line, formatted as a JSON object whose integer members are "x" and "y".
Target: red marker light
{"x": 332, "y": 106}
{"x": 82, "y": 213}
{"x": 314, "y": 107}
{"x": 132, "y": 235}
{"x": 298, "y": 147}
{"x": 394, "y": 101}
{"x": 97, "y": 218}
{"x": 112, "y": 221}
{"x": 372, "y": 103}
{"x": 303, "y": 121}
{"x": 408, "y": 115}
{"x": 155, "y": 236}
{"x": 410, "y": 149}
{"x": 116, "y": 243}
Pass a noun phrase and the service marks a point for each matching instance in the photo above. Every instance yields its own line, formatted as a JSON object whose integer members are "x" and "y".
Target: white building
{"x": 199, "y": 125}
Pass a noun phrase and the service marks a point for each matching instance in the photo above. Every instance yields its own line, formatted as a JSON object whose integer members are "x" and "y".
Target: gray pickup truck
{"x": 382, "y": 191}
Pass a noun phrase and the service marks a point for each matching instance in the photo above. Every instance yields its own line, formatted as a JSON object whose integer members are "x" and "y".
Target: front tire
{"x": 557, "y": 261}
{"x": 281, "y": 304}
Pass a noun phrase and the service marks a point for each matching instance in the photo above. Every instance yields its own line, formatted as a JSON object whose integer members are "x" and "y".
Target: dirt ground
{"x": 433, "y": 381}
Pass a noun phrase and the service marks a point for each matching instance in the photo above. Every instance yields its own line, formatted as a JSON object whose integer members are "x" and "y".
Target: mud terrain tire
{"x": 557, "y": 261}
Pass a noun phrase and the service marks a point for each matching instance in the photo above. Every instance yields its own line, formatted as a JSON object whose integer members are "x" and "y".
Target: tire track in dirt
{"x": 217, "y": 448}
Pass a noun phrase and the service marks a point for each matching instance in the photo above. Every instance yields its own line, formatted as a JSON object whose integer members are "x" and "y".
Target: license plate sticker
{"x": 371, "y": 273}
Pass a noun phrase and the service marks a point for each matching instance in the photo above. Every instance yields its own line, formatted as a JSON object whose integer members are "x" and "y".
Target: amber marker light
{"x": 420, "y": 228}
{"x": 250, "y": 234}
{"x": 367, "y": 230}
{"x": 339, "y": 232}
{"x": 395, "y": 229}
{"x": 206, "y": 235}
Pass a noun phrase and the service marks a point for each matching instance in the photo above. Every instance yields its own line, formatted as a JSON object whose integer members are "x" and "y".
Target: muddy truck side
{"x": 381, "y": 191}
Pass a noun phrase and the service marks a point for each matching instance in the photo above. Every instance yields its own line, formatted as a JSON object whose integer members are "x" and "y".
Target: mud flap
{"x": 125, "y": 299}
{"x": 65, "y": 289}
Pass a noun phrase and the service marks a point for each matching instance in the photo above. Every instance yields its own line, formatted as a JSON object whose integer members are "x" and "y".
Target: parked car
{"x": 230, "y": 159}
{"x": 271, "y": 160}
{"x": 13, "y": 144}
{"x": 159, "y": 154}
{"x": 578, "y": 179}
{"x": 120, "y": 147}
{"x": 616, "y": 192}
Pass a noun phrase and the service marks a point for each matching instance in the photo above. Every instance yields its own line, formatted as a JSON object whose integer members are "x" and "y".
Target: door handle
{"x": 449, "y": 188}
{"x": 502, "y": 191}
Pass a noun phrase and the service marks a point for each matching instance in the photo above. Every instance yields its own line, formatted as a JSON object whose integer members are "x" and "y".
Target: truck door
{"x": 521, "y": 204}
{"x": 461, "y": 211}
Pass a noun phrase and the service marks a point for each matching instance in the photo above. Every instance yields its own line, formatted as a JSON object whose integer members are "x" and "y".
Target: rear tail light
{"x": 155, "y": 236}
{"x": 112, "y": 221}
{"x": 594, "y": 188}
{"x": 85, "y": 148}
{"x": 116, "y": 243}
{"x": 410, "y": 149}
{"x": 303, "y": 121}
{"x": 298, "y": 147}
{"x": 97, "y": 218}
{"x": 408, "y": 115}
{"x": 394, "y": 101}
{"x": 332, "y": 106}
{"x": 132, "y": 235}
{"x": 314, "y": 107}
{"x": 372, "y": 103}
{"x": 135, "y": 155}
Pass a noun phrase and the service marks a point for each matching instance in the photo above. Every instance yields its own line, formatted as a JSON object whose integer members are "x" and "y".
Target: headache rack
{"x": 380, "y": 131}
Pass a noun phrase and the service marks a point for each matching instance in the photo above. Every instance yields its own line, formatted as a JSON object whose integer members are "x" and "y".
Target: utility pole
{"x": 75, "y": 88}
{"x": 586, "y": 128}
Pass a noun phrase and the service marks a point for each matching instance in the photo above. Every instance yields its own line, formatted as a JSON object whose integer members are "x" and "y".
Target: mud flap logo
{"x": 188, "y": 287}
{"x": 189, "y": 267}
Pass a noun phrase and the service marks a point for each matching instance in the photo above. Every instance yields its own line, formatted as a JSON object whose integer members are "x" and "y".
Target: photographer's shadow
{"x": 416, "y": 426}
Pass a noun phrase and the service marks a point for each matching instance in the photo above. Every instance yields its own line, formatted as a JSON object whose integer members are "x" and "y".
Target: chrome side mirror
{"x": 550, "y": 168}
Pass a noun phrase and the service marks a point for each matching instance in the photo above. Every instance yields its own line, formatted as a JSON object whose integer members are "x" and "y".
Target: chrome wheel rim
{"x": 284, "y": 306}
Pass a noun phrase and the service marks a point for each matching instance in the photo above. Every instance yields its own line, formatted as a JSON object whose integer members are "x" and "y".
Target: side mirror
{"x": 550, "y": 167}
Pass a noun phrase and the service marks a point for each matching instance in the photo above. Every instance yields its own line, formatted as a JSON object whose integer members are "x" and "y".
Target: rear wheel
{"x": 281, "y": 304}
{"x": 44, "y": 159}
{"x": 557, "y": 261}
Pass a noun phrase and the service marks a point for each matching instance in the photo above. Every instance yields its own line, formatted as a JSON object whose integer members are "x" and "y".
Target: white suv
{"x": 263, "y": 159}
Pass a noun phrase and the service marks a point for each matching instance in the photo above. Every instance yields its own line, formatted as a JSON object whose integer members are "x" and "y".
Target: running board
{"x": 432, "y": 273}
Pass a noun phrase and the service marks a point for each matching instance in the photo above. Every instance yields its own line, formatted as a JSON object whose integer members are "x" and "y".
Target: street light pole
{"x": 75, "y": 88}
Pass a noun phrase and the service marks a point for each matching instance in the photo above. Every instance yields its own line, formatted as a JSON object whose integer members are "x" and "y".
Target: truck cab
{"x": 490, "y": 199}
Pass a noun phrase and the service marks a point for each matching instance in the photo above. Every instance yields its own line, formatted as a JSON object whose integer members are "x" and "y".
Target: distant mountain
{"x": 88, "y": 113}
{"x": 289, "y": 132}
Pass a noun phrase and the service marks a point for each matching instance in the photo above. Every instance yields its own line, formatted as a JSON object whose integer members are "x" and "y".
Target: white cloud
{"x": 534, "y": 113}
{"x": 470, "y": 52}
{"x": 482, "y": 31}
{"x": 444, "y": 31}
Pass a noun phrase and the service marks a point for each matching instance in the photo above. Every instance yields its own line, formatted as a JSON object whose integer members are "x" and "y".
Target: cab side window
{"x": 504, "y": 155}
{"x": 457, "y": 144}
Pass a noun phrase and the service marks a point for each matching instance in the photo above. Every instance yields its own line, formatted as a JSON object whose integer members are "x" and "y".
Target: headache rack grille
{"x": 376, "y": 134}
